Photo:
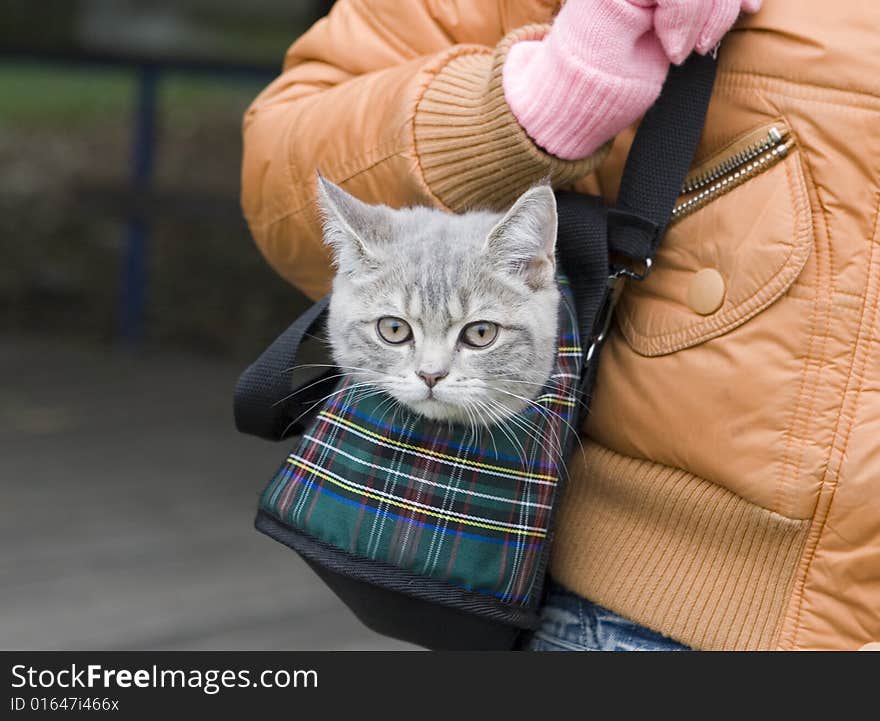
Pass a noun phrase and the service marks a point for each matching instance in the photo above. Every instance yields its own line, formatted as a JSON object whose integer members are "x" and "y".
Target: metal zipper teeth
{"x": 774, "y": 138}
{"x": 730, "y": 182}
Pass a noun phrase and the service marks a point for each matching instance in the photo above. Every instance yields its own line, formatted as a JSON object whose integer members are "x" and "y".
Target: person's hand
{"x": 603, "y": 64}
{"x": 686, "y": 26}
{"x": 599, "y": 68}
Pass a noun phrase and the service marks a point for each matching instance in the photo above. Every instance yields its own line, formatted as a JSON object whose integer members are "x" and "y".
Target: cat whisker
{"x": 471, "y": 424}
{"x": 320, "y": 401}
{"x": 501, "y": 424}
{"x": 492, "y": 438}
{"x": 553, "y": 453}
{"x": 479, "y": 428}
{"x": 310, "y": 385}
{"x": 490, "y": 428}
{"x": 545, "y": 410}
{"x": 549, "y": 446}
{"x": 533, "y": 430}
{"x": 392, "y": 403}
{"x": 553, "y": 414}
{"x": 320, "y": 339}
{"x": 326, "y": 365}
{"x": 551, "y": 383}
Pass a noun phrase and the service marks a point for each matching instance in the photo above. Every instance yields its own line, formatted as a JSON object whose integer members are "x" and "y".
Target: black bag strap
{"x": 657, "y": 164}
{"x": 266, "y": 405}
{"x": 659, "y": 160}
{"x": 582, "y": 252}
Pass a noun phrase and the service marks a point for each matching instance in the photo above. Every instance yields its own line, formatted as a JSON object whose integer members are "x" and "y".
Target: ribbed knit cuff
{"x": 471, "y": 149}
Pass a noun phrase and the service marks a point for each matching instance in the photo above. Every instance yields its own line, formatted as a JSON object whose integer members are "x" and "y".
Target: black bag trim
{"x": 394, "y": 579}
{"x": 265, "y": 402}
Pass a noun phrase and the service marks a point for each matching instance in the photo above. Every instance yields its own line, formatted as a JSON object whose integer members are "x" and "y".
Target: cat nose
{"x": 431, "y": 379}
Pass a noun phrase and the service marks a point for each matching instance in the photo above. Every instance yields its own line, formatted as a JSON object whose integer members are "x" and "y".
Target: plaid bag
{"x": 440, "y": 534}
{"x": 452, "y": 507}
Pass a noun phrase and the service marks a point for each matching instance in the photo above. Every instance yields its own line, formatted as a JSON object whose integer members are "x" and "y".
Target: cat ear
{"x": 347, "y": 224}
{"x": 524, "y": 240}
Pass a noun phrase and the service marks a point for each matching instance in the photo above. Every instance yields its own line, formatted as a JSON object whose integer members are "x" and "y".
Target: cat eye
{"x": 479, "y": 334}
{"x": 393, "y": 330}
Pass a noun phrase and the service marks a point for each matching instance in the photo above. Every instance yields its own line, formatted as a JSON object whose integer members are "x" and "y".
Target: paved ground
{"x": 126, "y": 504}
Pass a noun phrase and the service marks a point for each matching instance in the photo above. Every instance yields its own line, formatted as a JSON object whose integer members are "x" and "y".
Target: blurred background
{"x": 131, "y": 296}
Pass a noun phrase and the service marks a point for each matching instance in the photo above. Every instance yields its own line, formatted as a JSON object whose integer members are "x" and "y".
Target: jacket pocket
{"x": 743, "y": 220}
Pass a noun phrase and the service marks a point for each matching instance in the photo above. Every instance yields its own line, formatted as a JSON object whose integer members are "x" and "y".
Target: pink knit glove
{"x": 602, "y": 65}
{"x": 685, "y": 26}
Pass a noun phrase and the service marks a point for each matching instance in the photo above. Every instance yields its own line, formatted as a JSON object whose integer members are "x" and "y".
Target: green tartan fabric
{"x": 469, "y": 507}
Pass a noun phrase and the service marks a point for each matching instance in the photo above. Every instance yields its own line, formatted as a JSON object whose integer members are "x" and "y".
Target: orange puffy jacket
{"x": 729, "y": 495}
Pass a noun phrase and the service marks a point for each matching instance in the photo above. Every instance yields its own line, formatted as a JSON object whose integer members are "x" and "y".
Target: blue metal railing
{"x": 133, "y": 284}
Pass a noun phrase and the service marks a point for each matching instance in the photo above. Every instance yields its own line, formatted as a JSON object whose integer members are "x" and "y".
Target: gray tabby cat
{"x": 454, "y": 316}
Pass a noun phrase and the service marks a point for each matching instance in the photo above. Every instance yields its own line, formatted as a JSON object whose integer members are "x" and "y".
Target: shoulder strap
{"x": 266, "y": 405}
{"x": 655, "y": 170}
{"x": 659, "y": 159}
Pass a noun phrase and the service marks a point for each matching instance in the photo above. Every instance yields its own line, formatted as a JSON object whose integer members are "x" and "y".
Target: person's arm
{"x": 413, "y": 103}
{"x": 383, "y": 99}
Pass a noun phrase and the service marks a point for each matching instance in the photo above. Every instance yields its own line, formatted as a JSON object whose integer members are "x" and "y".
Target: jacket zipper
{"x": 756, "y": 153}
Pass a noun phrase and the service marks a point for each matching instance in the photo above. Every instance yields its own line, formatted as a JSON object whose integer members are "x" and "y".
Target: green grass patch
{"x": 54, "y": 96}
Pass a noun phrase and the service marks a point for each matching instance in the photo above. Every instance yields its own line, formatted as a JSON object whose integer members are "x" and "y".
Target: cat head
{"x": 454, "y": 316}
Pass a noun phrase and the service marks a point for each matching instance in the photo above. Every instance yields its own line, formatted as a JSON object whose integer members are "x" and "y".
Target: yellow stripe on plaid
{"x": 310, "y": 468}
{"x": 562, "y": 401}
{"x": 437, "y": 454}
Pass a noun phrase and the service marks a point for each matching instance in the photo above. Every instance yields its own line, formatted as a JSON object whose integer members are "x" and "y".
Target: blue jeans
{"x": 571, "y": 623}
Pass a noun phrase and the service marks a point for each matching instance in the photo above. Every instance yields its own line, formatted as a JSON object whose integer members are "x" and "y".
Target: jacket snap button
{"x": 706, "y": 291}
{"x": 873, "y": 646}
